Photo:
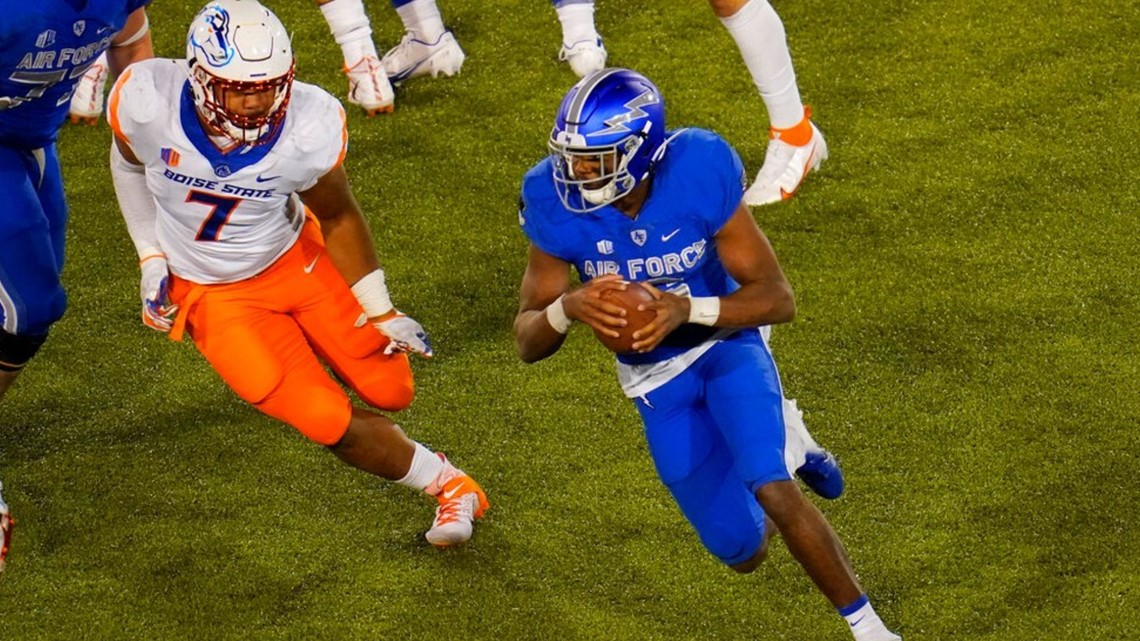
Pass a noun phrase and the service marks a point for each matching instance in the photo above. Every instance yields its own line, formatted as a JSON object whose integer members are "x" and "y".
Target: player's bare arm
{"x": 133, "y": 43}
{"x": 765, "y": 296}
{"x": 546, "y": 283}
{"x": 348, "y": 243}
{"x": 348, "y": 240}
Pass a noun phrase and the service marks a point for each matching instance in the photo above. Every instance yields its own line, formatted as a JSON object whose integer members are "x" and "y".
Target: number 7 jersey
{"x": 223, "y": 216}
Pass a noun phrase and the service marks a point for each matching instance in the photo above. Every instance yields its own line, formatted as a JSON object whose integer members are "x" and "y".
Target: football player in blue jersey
{"x": 45, "y": 47}
{"x": 619, "y": 200}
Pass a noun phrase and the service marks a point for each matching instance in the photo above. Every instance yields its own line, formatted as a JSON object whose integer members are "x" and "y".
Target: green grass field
{"x": 966, "y": 277}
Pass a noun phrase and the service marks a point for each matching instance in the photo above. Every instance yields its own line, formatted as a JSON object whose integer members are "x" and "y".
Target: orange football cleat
{"x": 461, "y": 501}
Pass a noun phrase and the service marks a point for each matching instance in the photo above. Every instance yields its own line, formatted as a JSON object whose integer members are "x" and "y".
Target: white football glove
{"x": 404, "y": 334}
{"x": 157, "y": 312}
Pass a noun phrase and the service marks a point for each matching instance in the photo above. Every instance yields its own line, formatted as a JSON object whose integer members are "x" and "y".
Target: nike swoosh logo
{"x": 450, "y": 493}
{"x": 784, "y": 195}
{"x": 665, "y": 238}
{"x": 310, "y": 266}
{"x": 859, "y": 621}
{"x": 262, "y": 179}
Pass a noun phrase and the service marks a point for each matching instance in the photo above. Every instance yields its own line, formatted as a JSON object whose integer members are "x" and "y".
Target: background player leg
{"x": 582, "y": 47}
{"x": 796, "y": 146}
{"x": 427, "y": 48}
{"x": 368, "y": 84}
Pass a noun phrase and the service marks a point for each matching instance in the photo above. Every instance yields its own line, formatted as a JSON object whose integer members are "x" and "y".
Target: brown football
{"x": 628, "y": 298}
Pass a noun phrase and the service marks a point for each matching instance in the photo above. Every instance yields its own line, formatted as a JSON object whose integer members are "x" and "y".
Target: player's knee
{"x": 726, "y": 8}
{"x": 740, "y": 550}
{"x": 319, "y": 414}
{"x": 753, "y": 562}
{"x": 388, "y": 392}
{"x": 17, "y": 349}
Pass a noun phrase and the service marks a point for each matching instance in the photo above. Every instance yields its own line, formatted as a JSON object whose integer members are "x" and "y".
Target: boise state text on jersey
{"x": 46, "y": 47}
{"x": 697, "y": 186}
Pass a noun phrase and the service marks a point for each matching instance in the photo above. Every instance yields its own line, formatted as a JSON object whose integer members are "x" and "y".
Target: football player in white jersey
{"x": 230, "y": 177}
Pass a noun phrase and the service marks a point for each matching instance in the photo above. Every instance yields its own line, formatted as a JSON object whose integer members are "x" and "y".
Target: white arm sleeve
{"x": 136, "y": 203}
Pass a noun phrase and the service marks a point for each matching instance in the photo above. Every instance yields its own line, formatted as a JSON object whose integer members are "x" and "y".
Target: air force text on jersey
{"x": 668, "y": 264}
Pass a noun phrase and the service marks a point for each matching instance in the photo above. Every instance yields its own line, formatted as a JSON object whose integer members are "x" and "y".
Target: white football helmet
{"x": 239, "y": 45}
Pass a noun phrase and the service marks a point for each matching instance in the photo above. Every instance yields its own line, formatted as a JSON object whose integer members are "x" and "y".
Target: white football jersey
{"x": 223, "y": 217}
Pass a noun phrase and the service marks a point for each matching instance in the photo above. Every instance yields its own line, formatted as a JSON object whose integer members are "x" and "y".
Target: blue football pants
{"x": 33, "y": 221}
{"x": 716, "y": 435}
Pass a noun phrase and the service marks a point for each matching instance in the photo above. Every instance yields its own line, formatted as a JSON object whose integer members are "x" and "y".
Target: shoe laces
{"x": 456, "y": 509}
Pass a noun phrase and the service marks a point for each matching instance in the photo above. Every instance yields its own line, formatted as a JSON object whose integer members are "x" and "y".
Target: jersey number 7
{"x": 220, "y": 209}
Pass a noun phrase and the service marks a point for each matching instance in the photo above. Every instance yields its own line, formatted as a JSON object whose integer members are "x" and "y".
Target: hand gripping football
{"x": 628, "y": 299}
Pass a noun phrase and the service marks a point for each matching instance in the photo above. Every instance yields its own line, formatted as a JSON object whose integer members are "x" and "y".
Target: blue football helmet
{"x": 613, "y": 119}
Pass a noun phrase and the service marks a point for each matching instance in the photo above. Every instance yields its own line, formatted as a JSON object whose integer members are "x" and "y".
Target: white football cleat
{"x": 368, "y": 86}
{"x": 785, "y": 167}
{"x": 414, "y": 57}
{"x": 461, "y": 501}
{"x": 87, "y": 98}
{"x": 6, "y": 524}
{"x": 585, "y": 56}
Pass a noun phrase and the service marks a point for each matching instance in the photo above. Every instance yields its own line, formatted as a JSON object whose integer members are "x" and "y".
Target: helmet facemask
{"x": 210, "y": 93}
{"x": 614, "y": 180}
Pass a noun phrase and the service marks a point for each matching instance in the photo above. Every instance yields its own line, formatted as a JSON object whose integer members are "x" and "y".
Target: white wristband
{"x": 372, "y": 293}
{"x": 556, "y": 316}
{"x": 704, "y": 310}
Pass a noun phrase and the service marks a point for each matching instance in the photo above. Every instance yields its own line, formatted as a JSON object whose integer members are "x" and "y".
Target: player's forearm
{"x": 535, "y": 337}
{"x": 756, "y": 304}
{"x": 349, "y": 246}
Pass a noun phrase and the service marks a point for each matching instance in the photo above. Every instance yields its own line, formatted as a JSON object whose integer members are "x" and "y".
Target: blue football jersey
{"x": 45, "y": 47}
{"x": 697, "y": 186}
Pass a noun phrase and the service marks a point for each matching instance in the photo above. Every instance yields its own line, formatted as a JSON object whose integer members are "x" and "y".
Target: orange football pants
{"x": 267, "y": 336}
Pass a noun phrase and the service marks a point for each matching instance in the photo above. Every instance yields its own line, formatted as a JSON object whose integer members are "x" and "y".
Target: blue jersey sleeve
{"x": 723, "y": 180}
{"x": 539, "y": 211}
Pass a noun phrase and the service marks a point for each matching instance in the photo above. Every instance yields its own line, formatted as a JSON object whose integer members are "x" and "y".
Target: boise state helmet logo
{"x": 212, "y": 43}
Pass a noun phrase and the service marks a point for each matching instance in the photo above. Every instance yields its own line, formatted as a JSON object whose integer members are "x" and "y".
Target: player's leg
{"x": 368, "y": 84}
{"x": 355, "y": 351}
{"x": 744, "y": 394}
{"x": 582, "y": 47}
{"x": 693, "y": 461}
{"x": 87, "y": 97}
{"x": 796, "y": 146}
{"x": 427, "y": 48}
{"x": 33, "y": 223}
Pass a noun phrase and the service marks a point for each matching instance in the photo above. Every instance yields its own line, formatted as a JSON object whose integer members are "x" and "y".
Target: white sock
{"x": 349, "y": 25}
{"x": 865, "y": 624}
{"x": 797, "y": 440}
{"x": 425, "y": 469}
{"x": 759, "y": 35}
{"x": 577, "y": 20}
{"x": 422, "y": 18}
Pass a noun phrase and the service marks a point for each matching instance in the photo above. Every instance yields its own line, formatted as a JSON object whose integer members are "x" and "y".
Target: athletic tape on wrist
{"x": 704, "y": 310}
{"x": 556, "y": 316}
{"x": 372, "y": 294}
